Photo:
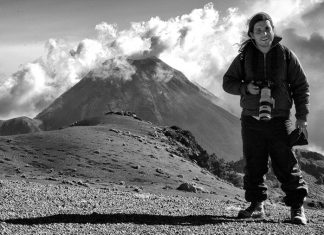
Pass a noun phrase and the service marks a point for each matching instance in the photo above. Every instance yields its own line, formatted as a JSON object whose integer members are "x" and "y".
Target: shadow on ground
{"x": 131, "y": 218}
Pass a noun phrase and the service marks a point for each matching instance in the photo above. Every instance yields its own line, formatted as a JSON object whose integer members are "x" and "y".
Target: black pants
{"x": 263, "y": 139}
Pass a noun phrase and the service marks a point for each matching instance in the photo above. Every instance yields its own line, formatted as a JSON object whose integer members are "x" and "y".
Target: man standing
{"x": 269, "y": 78}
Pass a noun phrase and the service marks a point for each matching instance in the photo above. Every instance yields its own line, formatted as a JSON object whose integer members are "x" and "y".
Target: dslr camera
{"x": 266, "y": 102}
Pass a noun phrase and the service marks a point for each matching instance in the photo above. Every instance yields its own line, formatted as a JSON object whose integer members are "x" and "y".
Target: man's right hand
{"x": 253, "y": 89}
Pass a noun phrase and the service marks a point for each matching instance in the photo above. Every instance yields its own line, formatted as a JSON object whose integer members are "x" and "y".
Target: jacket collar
{"x": 276, "y": 41}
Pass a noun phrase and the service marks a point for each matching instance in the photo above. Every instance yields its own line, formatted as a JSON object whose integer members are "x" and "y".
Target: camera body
{"x": 266, "y": 102}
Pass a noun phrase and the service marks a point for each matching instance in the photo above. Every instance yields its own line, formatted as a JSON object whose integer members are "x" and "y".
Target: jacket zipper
{"x": 265, "y": 66}
{"x": 265, "y": 56}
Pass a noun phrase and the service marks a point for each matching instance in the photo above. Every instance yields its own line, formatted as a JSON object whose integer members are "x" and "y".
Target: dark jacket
{"x": 288, "y": 77}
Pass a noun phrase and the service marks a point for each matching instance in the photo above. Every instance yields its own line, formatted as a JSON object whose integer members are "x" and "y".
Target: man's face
{"x": 263, "y": 34}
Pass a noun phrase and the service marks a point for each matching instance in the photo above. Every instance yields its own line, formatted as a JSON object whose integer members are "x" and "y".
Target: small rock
{"x": 67, "y": 182}
{"x": 81, "y": 183}
{"x": 166, "y": 187}
{"x": 51, "y": 179}
{"x": 204, "y": 172}
{"x": 137, "y": 189}
{"x": 187, "y": 188}
{"x": 152, "y": 156}
{"x": 159, "y": 170}
{"x": 114, "y": 130}
{"x": 174, "y": 156}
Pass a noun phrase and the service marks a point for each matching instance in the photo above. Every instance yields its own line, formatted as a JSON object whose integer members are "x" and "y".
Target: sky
{"x": 27, "y": 24}
{"x": 46, "y": 46}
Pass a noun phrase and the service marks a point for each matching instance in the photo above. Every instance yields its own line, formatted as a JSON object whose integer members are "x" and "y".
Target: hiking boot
{"x": 298, "y": 215}
{"x": 255, "y": 210}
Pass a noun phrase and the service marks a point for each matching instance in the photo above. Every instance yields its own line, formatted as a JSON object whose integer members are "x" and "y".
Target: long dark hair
{"x": 261, "y": 16}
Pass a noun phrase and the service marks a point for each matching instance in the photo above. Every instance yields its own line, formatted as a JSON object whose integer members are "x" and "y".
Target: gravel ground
{"x": 35, "y": 208}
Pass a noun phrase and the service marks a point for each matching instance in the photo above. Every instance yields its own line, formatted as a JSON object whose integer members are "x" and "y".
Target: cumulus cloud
{"x": 37, "y": 84}
{"x": 314, "y": 18}
{"x": 280, "y": 11}
{"x": 25, "y": 91}
{"x": 309, "y": 49}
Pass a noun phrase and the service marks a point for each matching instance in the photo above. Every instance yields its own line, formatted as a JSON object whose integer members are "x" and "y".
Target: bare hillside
{"x": 110, "y": 149}
{"x": 119, "y": 175}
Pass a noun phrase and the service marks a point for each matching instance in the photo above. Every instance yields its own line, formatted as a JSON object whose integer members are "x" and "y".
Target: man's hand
{"x": 253, "y": 89}
{"x": 302, "y": 125}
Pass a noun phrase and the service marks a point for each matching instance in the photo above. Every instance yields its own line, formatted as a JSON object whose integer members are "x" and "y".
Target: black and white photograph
{"x": 161, "y": 117}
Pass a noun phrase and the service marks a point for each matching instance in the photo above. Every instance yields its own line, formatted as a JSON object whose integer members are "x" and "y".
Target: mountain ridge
{"x": 19, "y": 125}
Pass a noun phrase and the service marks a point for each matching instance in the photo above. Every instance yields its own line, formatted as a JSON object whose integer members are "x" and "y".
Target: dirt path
{"x": 35, "y": 208}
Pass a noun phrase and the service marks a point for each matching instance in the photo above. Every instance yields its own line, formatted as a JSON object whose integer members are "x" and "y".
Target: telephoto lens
{"x": 266, "y": 104}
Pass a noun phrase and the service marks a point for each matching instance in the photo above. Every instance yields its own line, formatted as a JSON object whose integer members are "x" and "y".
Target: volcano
{"x": 155, "y": 92}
